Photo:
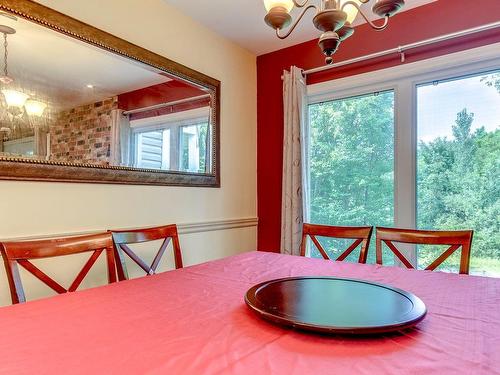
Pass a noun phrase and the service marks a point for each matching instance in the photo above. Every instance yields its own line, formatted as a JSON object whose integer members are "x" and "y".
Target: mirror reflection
{"x": 63, "y": 100}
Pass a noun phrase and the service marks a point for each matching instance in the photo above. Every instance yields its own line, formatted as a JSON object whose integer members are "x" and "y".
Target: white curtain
{"x": 120, "y": 139}
{"x": 295, "y": 190}
{"x": 40, "y": 142}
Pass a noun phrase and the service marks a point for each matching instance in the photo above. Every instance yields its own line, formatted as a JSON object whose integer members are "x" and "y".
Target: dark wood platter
{"x": 335, "y": 305}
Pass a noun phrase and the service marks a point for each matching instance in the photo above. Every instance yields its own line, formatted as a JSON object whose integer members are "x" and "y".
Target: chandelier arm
{"x": 294, "y": 25}
{"x": 378, "y": 28}
{"x": 301, "y": 5}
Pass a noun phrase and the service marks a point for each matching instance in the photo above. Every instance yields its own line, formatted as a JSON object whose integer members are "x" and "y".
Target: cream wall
{"x": 31, "y": 209}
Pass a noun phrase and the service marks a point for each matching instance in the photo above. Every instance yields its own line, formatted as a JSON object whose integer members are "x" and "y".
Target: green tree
{"x": 352, "y": 162}
{"x": 352, "y": 174}
{"x": 492, "y": 80}
{"x": 457, "y": 180}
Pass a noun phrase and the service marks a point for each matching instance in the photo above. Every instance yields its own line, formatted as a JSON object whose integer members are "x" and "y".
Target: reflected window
{"x": 172, "y": 142}
{"x": 153, "y": 149}
{"x": 193, "y": 147}
{"x": 22, "y": 146}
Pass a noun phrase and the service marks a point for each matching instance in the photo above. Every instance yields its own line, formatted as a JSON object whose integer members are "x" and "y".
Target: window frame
{"x": 404, "y": 80}
{"x": 174, "y": 123}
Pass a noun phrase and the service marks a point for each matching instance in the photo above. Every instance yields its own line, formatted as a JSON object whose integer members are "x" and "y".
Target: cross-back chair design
{"x": 453, "y": 239}
{"x": 126, "y": 237}
{"x": 361, "y": 235}
{"x": 21, "y": 252}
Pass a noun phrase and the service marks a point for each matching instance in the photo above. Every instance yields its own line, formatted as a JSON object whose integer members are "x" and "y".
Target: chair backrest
{"x": 453, "y": 239}
{"x": 361, "y": 235}
{"x": 126, "y": 237}
{"x": 21, "y": 252}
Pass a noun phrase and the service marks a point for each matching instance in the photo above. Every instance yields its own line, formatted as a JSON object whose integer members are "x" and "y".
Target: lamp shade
{"x": 14, "y": 98}
{"x": 34, "y": 107}
{"x": 351, "y": 10}
{"x": 270, "y": 4}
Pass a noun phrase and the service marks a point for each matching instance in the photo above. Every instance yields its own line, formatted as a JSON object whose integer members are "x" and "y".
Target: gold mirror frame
{"x": 35, "y": 170}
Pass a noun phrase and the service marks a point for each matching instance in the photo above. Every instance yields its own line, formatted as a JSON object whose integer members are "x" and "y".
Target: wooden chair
{"x": 123, "y": 238}
{"x": 361, "y": 235}
{"x": 454, "y": 239}
{"x": 22, "y": 252}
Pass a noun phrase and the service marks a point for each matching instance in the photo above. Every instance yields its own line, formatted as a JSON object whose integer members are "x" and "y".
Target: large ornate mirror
{"x": 78, "y": 104}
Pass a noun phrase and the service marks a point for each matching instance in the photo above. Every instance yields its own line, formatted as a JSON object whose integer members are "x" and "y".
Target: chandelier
{"x": 20, "y": 107}
{"x": 333, "y": 18}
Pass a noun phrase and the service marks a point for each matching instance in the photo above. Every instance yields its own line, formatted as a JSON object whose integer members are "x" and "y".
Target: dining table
{"x": 194, "y": 320}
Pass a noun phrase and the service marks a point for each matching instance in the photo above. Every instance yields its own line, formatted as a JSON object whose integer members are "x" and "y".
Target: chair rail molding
{"x": 183, "y": 228}
{"x": 217, "y": 225}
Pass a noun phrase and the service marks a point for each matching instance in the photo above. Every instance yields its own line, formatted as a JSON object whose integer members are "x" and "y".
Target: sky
{"x": 439, "y": 104}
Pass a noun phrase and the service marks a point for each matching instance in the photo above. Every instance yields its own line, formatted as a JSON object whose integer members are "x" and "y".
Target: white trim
{"x": 183, "y": 228}
{"x": 165, "y": 156}
{"x": 145, "y": 123}
{"x": 454, "y": 64}
{"x": 47, "y": 157}
{"x": 217, "y": 225}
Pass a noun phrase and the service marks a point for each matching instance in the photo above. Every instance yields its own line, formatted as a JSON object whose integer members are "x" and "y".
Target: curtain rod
{"x": 168, "y": 104}
{"x": 401, "y": 49}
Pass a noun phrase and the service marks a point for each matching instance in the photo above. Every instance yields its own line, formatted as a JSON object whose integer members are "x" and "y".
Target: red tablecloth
{"x": 195, "y": 321}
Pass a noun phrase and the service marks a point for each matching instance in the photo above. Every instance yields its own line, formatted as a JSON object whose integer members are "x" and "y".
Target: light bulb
{"x": 351, "y": 10}
{"x": 270, "y": 4}
{"x": 34, "y": 107}
{"x": 14, "y": 98}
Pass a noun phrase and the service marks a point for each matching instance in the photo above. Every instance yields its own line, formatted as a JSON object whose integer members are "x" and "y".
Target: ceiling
{"x": 242, "y": 21}
{"x": 57, "y": 68}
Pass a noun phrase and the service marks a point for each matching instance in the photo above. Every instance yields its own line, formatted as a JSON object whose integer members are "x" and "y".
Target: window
{"x": 445, "y": 115}
{"x": 458, "y": 164}
{"x": 193, "y": 147}
{"x": 352, "y": 163}
{"x": 153, "y": 149}
{"x": 176, "y": 142}
{"x": 20, "y": 146}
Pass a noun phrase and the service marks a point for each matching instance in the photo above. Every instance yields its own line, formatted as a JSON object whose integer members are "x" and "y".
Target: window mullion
{"x": 405, "y": 161}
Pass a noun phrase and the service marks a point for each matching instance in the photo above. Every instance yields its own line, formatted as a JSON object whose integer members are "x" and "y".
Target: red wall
{"x": 435, "y": 19}
{"x": 162, "y": 93}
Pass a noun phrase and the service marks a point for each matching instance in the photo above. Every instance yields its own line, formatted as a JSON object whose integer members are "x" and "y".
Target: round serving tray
{"x": 334, "y": 305}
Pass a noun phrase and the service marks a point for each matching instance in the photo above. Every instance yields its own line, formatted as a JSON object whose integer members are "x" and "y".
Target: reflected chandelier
{"x": 333, "y": 17}
{"x": 17, "y": 102}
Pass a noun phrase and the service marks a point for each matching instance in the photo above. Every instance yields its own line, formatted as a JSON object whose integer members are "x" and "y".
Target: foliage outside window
{"x": 457, "y": 157}
{"x": 458, "y": 173}
{"x": 352, "y": 164}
